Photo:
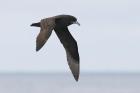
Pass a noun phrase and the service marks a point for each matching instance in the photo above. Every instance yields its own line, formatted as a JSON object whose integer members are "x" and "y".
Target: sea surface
{"x": 65, "y": 83}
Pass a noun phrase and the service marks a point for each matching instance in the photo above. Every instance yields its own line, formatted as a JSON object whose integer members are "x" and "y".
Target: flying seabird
{"x": 60, "y": 25}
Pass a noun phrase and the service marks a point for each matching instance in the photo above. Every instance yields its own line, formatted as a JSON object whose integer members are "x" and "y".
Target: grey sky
{"x": 108, "y": 38}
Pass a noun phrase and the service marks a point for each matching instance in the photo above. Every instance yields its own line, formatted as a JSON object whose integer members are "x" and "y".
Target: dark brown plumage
{"x": 59, "y": 25}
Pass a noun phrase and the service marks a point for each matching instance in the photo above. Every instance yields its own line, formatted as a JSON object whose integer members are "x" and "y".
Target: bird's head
{"x": 66, "y": 20}
{"x": 73, "y": 20}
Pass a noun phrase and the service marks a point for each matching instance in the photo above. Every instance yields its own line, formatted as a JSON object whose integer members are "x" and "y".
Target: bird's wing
{"x": 71, "y": 48}
{"x": 47, "y": 25}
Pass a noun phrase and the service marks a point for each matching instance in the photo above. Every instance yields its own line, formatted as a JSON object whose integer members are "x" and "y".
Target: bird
{"x": 59, "y": 24}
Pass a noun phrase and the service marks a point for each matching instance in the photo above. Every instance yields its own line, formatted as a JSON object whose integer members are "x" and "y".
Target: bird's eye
{"x": 72, "y": 22}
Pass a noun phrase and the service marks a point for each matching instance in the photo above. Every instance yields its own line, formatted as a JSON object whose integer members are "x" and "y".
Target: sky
{"x": 108, "y": 38}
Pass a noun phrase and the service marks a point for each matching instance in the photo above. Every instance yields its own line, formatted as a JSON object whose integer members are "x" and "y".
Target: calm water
{"x": 62, "y": 83}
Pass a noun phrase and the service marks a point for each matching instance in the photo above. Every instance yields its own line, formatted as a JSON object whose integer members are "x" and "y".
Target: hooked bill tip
{"x": 77, "y": 23}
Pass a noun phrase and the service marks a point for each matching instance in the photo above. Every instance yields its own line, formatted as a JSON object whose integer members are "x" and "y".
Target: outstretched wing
{"x": 71, "y": 48}
{"x": 47, "y": 25}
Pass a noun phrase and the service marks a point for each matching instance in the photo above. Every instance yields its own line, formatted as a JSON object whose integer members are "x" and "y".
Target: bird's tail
{"x": 36, "y": 24}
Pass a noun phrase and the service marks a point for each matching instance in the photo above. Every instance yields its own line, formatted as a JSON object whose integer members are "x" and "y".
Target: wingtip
{"x": 35, "y": 24}
{"x": 31, "y": 25}
{"x": 76, "y": 77}
{"x": 75, "y": 69}
{"x": 37, "y": 49}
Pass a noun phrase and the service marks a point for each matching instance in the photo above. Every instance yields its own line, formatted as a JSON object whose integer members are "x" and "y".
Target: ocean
{"x": 65, "y": 83}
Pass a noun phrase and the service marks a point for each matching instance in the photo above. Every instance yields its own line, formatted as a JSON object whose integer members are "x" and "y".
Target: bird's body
{"x": 59, "y": 25}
